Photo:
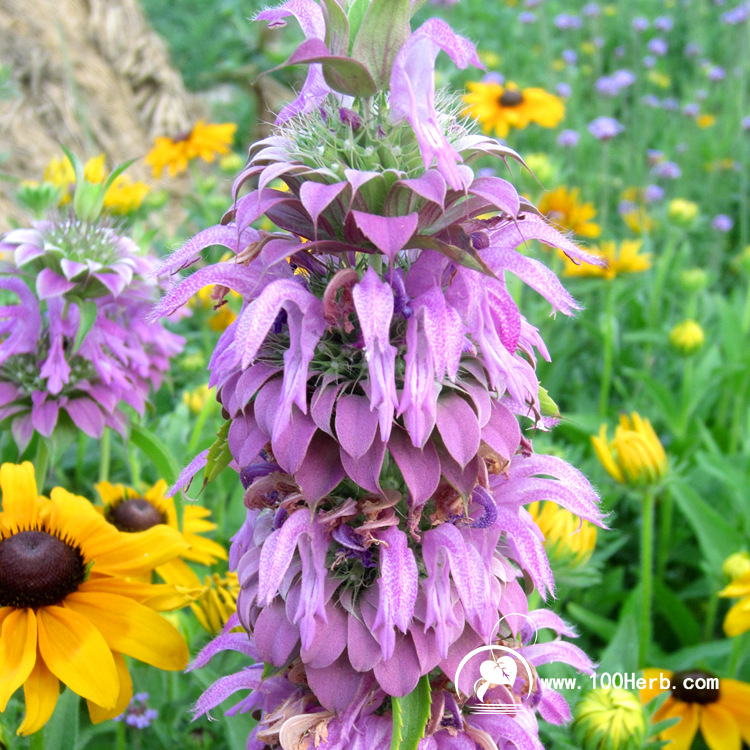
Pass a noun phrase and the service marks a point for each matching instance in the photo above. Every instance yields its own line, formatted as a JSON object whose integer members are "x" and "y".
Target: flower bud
{"x": 687, "y": 337}
{"x": 736, "y": 565}
{"x": 609, "y": 719}
{"x": 634, "y": 455}
{"x": 693, "y": 279}
{"x": 682, "y": 213}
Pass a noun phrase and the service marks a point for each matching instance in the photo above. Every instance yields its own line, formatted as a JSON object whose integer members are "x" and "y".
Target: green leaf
{"x": 337, "y": 28}
{"x": 716, "y": 536}
{"x": 549, "y": 407}
{"x": 384, "y": 30}
{"x": 592, "y": 621}
{"x": 677, "y": 614}
{"x": 219, "y": 455}
{"x": 88, "y": 311}
{"x": 355, "y": 15}
{"x": 61, "y": 733}
{"x": 75, "y": 162}
{"x": 156, "y": 451}
{"x": 410, "y": 716}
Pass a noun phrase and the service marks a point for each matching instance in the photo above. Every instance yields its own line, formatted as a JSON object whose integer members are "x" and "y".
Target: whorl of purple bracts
{"x": 458, "y": 318}
{"x": 56, "y": 276}
{"x": 292, "y": 716}
{"x": 119, "y": 361}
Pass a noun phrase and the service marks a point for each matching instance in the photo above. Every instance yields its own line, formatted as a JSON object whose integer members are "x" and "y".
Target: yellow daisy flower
{"x": 132, "y": 511}
{"x": 204, "y": 141}
{"x": 125, "y": 196}
{"x": 737, "y": 620}
{"x": 502, "y": 107}
{"x": 564, "y": 208}
{"x": 566, "y": 537}
{"x": 68, "y": 611}
{"x": 720, "y": 709}
{"x": 625, "y": 259}
{"x": 217, "y": 603}
{"x": 224, "y": 315}
{"x": 635, "y": 454}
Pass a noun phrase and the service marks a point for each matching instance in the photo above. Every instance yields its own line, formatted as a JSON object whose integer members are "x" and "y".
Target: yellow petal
{"x": 78, "y": 655}
{"x": 110, "y": 493}
{"x": 40, "y": 690}
{"x": 17, "y": 651}
{"x": 132, "y": 629}
{"x": 737, "y": 620}
{"x": 18, "y": 486}
{"x": 719, "y": 728}
{"x": 682, "y": 733}
{"x": 99, "y": 714}
{"x": 179, "y": 573}
{"x": 735, "y": 697}
{"x": 125, "y": 553}
{"x": 160, "y": 597}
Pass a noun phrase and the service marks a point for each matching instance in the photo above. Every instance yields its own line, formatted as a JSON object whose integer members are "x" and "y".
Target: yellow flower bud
{"x": 609, "y": 719}
{"x": 567, "y": 539}
{"x": 693, "y": 279}
{"x": 541, "y": 167}
{"x": 736, "y": 565}
{"x": 634, "y": 455}
{"x": 687, "y": 337}
{"x": 196, "y": 400}
{"x": 682, "y": 212}
{"x": 231, "y": 163}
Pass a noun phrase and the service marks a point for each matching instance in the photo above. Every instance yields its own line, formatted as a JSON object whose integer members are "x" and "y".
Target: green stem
{"x": 666, "y": 506}
{"x": 734, "y": 658}
{"x": 195, "y": 435}
{"x": 609, "y": 349}
{"x": 41, "y": 463}
{"x": 36, "y": 741}
{"x": 647, "y": 563}
{"x": 120, "y": 743}
{"x": 105, "y": 456}
{"x": 711, "y": 610}
{"x": 687, "y": 384}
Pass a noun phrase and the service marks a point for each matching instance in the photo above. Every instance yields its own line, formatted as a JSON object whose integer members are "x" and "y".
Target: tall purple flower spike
{"x": 381, "y": 389}
{"x": 413, "y": 91}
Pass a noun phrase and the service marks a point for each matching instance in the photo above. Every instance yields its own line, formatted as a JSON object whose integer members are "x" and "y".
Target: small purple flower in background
{"x": 532, "y": 3}
{"x": 716, "y": 73}
{"x": 654, "y": 156}
{"x": 591, "y": 10}
{"x": 736, "y": 15}
{"x": 640, "y": 23}
{"x": 626, "y": 207}
{"x": 563, "y": 89}
{"x": 663, "y": 23}
{"x": 682, "y": 148}
{"x": 649, "y": 100}
{"x": 670, "y": 104}
{"x": 624, "y": 78}
{"x": 607, "y": 86}
{"x": 569, "y": 56}
{"x": 566, "y": 21}
{"x": 722, "y": 223}
{"x": 605, "y": 128}
{"x": 692, "y": 49}
{"x": 619, "y": 52}
{"x": 649, "y": 61}
{"x": 493, "y": 77}
{"x": 138, "y": 715}
{"x": 691, "y": 110}
{"x": 666, "y": 170}
{"x": 657, "y": 46}
{"x": 527, "y": 17}
{"x": 701, "y": 95}
{"x": 568, "y": 138}
{"x": 745, "y": 122}
{"x": 598, "y": 41}
{"x": 653, "y": 194}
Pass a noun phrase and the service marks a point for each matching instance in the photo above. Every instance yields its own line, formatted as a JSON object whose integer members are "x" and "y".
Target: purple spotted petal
{"x": 498, "y": 193}
{"x": 373, "y": 301}
{"x": 397, "y": 588}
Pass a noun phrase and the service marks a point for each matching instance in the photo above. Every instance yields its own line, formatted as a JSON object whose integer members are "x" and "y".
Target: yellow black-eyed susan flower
{"x": 218, "y": 602}
{"x": 131, "y": 511}
{"x": 500, "y": 107}
{"x": 720, "y": 708}
{"x": 625, "y": 258}
{"x": 70, "y": 606}
{"x": 609, "y": 719}
{"x": 204, "y": 141}
{"x": 564, "y": 207}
